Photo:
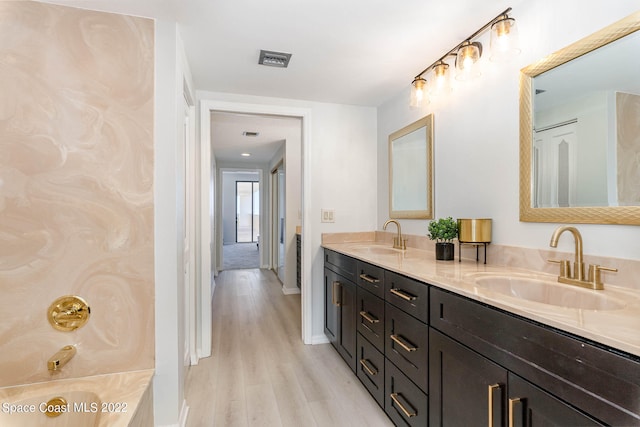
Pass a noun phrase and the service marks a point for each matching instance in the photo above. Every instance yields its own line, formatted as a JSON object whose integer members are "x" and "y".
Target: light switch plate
{"x": 327, "y": 215}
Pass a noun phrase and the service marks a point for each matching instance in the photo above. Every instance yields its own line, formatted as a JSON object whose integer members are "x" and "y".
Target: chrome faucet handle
{"x": 595, "y": 278}
{"x": 565, "y": 267}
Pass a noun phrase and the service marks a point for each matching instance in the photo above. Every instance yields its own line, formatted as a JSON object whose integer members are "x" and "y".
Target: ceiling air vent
{"x": 274, "y": 59}
{"x": 249, "y": 133}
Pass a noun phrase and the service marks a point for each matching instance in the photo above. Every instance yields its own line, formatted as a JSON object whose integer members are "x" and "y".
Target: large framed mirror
{"x": 411, "y": 170}
{"x": 580, "y": 130}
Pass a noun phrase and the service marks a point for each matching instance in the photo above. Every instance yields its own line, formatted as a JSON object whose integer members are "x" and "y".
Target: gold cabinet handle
{"x": 402, "y": 294}
{"x": 403, "y": 343}
{"x": 335, "y": 292}
{"x": 369, "y": 279}
{"x": 365, "y": 365}
{"x": 409, "y": 414}
{"x": 366, "y": 316}
{"x": 491, "y": 391}
{"x": 512, "y": 407}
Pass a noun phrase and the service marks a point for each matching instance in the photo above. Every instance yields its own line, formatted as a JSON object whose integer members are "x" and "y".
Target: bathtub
{"x": 113, "y": 400}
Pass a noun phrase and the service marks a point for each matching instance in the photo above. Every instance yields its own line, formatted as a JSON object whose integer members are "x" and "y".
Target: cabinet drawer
{"x": 371, "y": 278}
{"x": 406, "y": 344}
{"x": 341, "y": 264}
{"x": 370, "y": 369}
{"x": 408, "y": 294}
{"x": 404, "y": 403}
{"x": 370, "y": 312}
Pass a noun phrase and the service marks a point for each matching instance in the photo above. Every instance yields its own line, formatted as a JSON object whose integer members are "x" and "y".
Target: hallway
{"x": 260, "y": 372}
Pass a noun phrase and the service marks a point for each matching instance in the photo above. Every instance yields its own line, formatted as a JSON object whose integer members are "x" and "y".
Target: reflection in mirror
{"x": 580, "y": 131}
{"x": 581, "y": 110}
{"x": 410, "y": 170}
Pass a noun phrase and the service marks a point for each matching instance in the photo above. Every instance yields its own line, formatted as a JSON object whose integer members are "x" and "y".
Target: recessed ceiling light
{"x": 245, "y": 154}
{"x": 248, "y": 133}
{"x": 274, "y": 59}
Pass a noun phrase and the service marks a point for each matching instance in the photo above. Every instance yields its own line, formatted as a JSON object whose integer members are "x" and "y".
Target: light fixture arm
{"x": 468, "y": 39}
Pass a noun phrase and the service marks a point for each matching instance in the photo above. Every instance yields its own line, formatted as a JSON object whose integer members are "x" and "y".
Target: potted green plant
{"x": 443, "y": 231}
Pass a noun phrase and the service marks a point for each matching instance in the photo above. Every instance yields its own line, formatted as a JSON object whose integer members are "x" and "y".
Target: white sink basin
{"x": 378, "y": 250}
{"x": 546, "y": 291}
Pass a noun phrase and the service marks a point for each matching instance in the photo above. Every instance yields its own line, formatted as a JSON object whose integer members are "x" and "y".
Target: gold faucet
{"x": 61, "y": 358}
{"x": 398, "y": 241}
{"x": 594, "y": 280}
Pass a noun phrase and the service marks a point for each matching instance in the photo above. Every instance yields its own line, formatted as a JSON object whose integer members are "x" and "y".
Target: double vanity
{"x": 448, "y": 343}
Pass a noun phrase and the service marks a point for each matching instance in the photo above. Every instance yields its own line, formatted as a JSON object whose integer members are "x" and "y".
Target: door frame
{"x": 207, "y": 217}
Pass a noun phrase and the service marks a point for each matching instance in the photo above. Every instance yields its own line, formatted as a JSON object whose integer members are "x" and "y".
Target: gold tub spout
{"x": 61, "y": 358}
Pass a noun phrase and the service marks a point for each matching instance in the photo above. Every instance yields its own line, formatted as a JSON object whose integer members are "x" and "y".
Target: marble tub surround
{"x": 123, "y": 399}
{"x": 617, "y": 328}
{"x": 76, "y": 188}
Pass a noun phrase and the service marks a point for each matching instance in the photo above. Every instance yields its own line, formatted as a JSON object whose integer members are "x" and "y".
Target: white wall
{"x": 340, "y": 160}
{"x": 477, "y": 136}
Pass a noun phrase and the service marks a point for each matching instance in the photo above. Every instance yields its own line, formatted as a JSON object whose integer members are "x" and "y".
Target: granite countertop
{"x": 616, "y": 326}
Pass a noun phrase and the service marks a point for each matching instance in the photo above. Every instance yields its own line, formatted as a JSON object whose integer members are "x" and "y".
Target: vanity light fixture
{"x": 467, "y": 54}
{"x": 441, "y": 79}
{"x": 418, "y": 91}
{"x": 467, "y": 60}
{"x": 504, "y": 39}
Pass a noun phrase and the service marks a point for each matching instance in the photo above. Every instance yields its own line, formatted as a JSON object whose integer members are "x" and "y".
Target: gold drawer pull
{"x": 335, "y": 292}
{"x": 366, "y": 316}
{"x": 402, "y": 294}
{"x": 512, "y": 404}
{"x": 409, "y": 414}
{"x": 401, "y": 342}
{"x": 365, "y": 365}
{"x": 368, "y": 278}
{"x": 491, "y": 391}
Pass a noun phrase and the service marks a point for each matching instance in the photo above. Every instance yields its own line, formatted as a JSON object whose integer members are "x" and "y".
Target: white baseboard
{"x": 182, "y": 420}
{"x": 184, "y": 414}
{"x": 319, "y": 339}
{"x": 290, "y": 291}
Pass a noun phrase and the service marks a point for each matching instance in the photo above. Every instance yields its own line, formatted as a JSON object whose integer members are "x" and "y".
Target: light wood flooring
{"x": 260, "y": 372}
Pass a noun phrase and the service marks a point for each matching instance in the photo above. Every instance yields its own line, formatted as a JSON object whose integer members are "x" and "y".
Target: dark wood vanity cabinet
{"x": 463, "y": 385}
{"x": 534, "y": 375}
{"x": 431, "y": 357}
{"x": 371, "y": 278}
{"x": 407, "y": 344}
{"x": 340, "y": 305}
{"x": 371, "y": 318}
{"x": 466, "y": 388}
{"x": 370, "y": 369}
{"x": 405, "y": 404}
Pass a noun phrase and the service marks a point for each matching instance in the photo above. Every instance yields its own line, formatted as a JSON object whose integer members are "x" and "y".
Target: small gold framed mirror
{"x": 411, "y": 170}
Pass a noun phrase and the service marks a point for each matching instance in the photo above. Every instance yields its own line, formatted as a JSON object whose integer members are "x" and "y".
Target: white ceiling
{"x": 358, "y": 52}
{"x": 229, "y": 142}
